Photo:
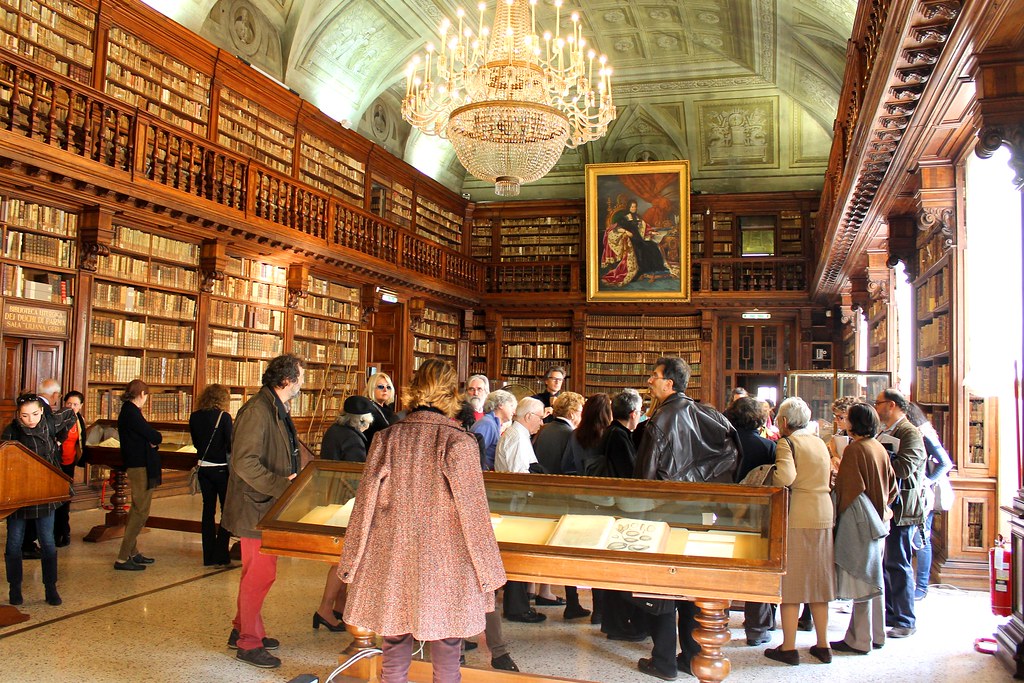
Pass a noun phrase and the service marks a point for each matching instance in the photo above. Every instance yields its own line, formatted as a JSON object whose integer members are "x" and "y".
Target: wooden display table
{"x": 725, "y": 542}
{"x": 26, "y": 479}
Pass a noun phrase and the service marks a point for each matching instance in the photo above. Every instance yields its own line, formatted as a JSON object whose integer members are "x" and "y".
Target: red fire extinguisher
{"x": 999, "y": 559}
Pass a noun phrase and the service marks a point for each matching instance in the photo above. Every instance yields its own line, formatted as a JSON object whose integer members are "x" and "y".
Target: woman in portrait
{"x": 422, "y": 566}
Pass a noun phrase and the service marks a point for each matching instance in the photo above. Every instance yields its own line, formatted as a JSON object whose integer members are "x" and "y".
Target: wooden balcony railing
{"x": 751, "y": 274}
{"x": 91, "y": 125}
{"x": 533, "y": 276}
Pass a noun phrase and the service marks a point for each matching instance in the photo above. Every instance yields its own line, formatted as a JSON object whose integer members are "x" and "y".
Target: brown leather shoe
{"x": 791, "y": 657}
{"x": 822, "y": 654}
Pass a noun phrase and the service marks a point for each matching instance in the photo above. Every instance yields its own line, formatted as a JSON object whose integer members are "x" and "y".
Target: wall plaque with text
{"x": 35, "y": 320}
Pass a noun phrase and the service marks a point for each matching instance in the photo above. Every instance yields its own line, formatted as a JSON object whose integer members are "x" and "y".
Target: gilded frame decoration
{"x": 641, "y": 253}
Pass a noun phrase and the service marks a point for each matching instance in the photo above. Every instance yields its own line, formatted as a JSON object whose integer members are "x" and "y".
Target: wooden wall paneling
{"x": 44, "y": 359}
{"x": 13, "y": 363}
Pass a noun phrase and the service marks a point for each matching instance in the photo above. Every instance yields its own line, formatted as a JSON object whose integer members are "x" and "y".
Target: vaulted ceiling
{"x": 747, "y": 90}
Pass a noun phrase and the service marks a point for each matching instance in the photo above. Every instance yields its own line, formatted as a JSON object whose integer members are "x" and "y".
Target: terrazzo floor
{"x": 170, "y": 623}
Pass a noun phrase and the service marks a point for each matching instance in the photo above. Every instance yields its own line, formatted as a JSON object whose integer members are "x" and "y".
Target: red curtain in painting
{"x": 656, "y": 188}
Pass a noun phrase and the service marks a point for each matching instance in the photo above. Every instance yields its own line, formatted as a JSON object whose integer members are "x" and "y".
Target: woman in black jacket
{"x": 139, "y": 443}
{"x": 210, "y": 426}
{"x": 381, "y": 392}
{"x": 35, "y": 430}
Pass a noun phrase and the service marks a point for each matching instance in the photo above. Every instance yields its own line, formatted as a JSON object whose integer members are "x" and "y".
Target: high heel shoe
{"x": 319, "y": 621}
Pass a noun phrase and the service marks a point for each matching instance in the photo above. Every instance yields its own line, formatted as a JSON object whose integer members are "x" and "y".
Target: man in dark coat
{"x": 554, "y": 380}
{"x": 550, "y": 442}
{"x": 683, "y": 441}
{"x": 264, "y": 460}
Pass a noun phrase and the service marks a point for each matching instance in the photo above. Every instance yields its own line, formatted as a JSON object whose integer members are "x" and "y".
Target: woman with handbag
{"x": 802, "y": 464}
{"x": 210, "y": 426}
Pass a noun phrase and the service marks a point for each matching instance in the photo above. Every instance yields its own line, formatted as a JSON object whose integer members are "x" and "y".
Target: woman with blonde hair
{"x": 381, "y": 392}
{"x": 420, "y": 555}
{"x": 210, "y": 426}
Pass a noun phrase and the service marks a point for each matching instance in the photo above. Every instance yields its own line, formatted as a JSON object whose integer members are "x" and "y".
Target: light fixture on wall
{"x": 508, "y": 98}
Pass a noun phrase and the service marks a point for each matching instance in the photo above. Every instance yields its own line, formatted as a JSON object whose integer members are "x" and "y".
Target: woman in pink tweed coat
{"x": 420, "y": 554}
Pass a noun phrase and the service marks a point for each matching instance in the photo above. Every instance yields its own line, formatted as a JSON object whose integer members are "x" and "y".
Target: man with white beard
{"x": 477, "y": 388}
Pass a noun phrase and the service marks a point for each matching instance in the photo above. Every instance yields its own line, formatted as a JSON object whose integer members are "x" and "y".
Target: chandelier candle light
{"x": 510, "y": 100}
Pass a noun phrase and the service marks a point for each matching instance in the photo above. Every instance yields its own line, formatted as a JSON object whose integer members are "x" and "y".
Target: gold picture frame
{"x": 639, "y": 253}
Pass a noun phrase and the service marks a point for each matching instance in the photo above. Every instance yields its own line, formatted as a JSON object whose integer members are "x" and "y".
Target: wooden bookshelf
{"x": 878, "y": 336}
{"x": 477, "y": 346}
{"x": 326, "y": 335}
{"x": 932, "y": 340}
{"x": 621, "y": 350}
{"x": 542, "y": 238}
{"x": 391, "y": 200}
{"x": 40, "y": 251}
{"x": 328, "y": 168}
{"x": 436, "y": 336}
{"x": 143, "y": 323}
{"x": 246, "y": 324}
{"x": 438, "y": 224}
{"x": 55, "y": 34}
{"x": 791, "y": 233}
{"x": 249, "y": 128}
{"x": 481, "y": 239}
{"x": 529, "y": 346}
{"x": 146, "y": 77}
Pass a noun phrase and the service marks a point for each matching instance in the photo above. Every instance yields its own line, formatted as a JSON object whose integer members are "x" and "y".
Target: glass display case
{"x": 102, "y": 446}
{"x": 819, "y": 388}
{"x": 713, "y": 540}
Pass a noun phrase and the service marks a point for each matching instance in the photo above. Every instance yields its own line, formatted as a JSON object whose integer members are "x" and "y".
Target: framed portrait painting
{"x": 638, "y": 231}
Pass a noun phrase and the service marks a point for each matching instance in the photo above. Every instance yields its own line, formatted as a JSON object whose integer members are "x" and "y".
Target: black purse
{"x": 651, "y": 605}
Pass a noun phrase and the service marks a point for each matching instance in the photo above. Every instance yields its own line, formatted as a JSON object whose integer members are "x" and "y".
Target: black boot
{"x": 14, "y": 579}
{"x": 50, "y": 580}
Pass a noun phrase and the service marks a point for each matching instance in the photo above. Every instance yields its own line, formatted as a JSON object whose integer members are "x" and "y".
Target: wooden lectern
{"x": 26, "y": 479}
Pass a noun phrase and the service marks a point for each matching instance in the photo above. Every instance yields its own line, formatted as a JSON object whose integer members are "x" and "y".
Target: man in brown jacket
{"x": 264, "y": 460}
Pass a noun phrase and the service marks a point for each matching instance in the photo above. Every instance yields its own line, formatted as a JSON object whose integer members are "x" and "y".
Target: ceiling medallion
{"x": 508, "y": 98}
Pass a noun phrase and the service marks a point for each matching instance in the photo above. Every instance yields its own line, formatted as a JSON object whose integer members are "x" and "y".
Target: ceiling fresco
{"x": 747, "y": 90}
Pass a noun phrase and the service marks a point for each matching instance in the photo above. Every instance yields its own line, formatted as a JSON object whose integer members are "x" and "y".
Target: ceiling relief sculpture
{"x": 738, "y": 133}
{"x": 746, "y": 89}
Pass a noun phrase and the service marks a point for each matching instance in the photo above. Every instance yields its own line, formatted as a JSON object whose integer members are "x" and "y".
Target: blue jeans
{"x": 899, "y": 578}
{"x": 16, "y": 534}
{"x": 923, "y": 540}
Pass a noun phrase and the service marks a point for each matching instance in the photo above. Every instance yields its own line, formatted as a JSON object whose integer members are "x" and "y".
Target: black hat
{"x": 358, "y": 405}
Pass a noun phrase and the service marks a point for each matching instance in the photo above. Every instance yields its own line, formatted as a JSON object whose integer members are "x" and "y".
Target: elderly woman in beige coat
{"x": 420, "y": 554}
{"x": 802, "y": 463}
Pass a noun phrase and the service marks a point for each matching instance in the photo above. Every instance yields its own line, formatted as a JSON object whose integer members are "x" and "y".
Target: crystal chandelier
{"x": 508, "y": 99}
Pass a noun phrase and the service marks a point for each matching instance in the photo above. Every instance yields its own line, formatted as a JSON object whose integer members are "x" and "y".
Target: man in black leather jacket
{"x": 683, "y": 441}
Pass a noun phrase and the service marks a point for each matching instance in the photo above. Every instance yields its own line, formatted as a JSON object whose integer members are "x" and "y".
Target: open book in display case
{"x": 711, "y": 543}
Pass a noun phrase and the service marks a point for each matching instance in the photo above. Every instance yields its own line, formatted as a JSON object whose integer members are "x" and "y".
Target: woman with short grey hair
{"x": 802, "y": 464}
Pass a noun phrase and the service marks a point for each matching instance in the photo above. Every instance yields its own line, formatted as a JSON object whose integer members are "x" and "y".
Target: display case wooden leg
{"x": 114, "y": 523}
{"x": 362, "y": 639}
{"x": 711, "y": 666}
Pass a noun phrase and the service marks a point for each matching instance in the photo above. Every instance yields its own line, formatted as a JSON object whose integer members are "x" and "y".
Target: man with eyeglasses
{"x": 477, "y": 389}
{"x": 515, "y": 454}
{"x": 908, "y": 509}
{"x": 554, "y": 382}
{"x": 683, "y": 441}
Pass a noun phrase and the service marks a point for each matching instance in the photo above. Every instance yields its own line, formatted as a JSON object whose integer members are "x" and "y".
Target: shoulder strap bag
{"x": 193, "y": 475}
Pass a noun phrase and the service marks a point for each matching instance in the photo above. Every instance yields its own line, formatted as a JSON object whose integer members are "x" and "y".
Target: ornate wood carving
{"x": 417, "y": 307}
{"x": 991, "y": 138}
{"x": 298, "y": 283}
{"x": 368, "y": 301}
{"x": 97, "y": 232}
{"x": 213, "y": 261}
{"x": 931, "y": 218}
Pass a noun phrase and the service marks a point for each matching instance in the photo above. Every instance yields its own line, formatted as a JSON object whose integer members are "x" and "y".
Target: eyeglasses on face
{"x": 556, "y": 379}
{"x": 878, "y": 403}
{"x": 383, "y": 387}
